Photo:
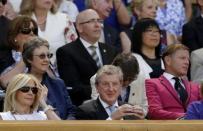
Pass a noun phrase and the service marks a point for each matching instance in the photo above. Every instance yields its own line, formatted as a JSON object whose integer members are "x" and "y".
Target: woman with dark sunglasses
{"x": 23, "y": 97}
{"x": 21, "y": 29}
{"x": 36, "y": 56}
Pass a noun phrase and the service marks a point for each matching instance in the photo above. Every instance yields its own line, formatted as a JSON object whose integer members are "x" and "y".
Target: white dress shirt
{"x": 106, "y": 107}
{"x": 169, "y": 77}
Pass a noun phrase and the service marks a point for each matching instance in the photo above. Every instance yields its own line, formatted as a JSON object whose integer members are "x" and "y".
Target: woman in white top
{"x": 23, "y": 97}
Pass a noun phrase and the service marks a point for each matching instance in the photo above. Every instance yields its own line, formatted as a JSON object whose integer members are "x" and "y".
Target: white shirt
{"x": 87, "y": 45}
{"x": 106, "y": 107}
{"x": 34, "y": 116}
{"x": 15, "y": 4}
{"x": 169, "y": 77}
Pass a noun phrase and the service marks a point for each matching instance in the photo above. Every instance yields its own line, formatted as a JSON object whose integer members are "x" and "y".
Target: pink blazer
{"x": 163, "y": 99}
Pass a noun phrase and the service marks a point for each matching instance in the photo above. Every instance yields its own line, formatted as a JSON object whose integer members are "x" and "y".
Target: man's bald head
{"x": 89, "y": 25}
{"x": 83, "y": 16}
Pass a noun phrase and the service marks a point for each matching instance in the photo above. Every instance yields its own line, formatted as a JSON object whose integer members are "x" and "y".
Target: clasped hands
{"x": 129, "y": 112}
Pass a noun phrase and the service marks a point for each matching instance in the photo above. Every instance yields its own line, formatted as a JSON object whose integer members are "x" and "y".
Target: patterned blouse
{"x": 172, "y": 17}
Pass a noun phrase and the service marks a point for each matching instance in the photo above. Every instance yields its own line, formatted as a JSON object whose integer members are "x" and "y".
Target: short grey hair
{"x": 109, "y": 70}
{"x": 30, "y": 46}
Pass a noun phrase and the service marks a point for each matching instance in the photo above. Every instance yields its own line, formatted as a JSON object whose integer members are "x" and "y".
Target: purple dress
{"x": 195, "y": 111}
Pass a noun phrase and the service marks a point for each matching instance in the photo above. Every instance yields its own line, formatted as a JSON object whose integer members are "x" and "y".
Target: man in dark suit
{"x": 169, "y": 95}
{"x": 193, "y": 31}
{"x": 77, "y": 62}
{"x": 108, "y": 82}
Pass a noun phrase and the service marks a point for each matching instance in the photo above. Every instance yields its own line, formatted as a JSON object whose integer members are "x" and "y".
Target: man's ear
{"x": 167, "y": 60}
{"x": 94, "y": 4}
{"x": 79, "y": 28}
{"x": 29, "y": 61}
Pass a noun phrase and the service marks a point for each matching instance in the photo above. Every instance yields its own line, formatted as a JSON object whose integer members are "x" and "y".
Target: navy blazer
{"x": 58, "y": 97}
{"x": 111, "y": 36}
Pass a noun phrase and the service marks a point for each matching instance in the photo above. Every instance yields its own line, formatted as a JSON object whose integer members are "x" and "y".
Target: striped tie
{"x": 180, "y": 90}
{"x": 95, "y": 56}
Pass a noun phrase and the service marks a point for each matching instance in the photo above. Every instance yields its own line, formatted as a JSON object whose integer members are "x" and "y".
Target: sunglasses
{"x": 43, "y": 56}
{"x": 27, "y": 31}
{"x": 3, "y": 2}
{"x": 26, "y": 89}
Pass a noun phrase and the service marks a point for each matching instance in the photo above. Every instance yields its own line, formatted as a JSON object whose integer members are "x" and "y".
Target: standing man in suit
{"x": 81, "y": 59}
{"x": 193, "y": 31}
{"x": 169, "y": 95}
{"x": 109, "y": 80}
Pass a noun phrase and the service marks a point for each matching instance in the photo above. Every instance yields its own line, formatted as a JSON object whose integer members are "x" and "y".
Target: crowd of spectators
{"x": 101, "y": 59}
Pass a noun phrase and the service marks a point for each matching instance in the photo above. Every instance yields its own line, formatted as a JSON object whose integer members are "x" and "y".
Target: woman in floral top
{"x": 171, "y": 16}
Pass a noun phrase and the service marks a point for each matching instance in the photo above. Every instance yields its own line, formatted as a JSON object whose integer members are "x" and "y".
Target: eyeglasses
{"x": 43, "y": 56}
{"x": 28, "y": 30}
{"x": 26, "y": 89}
{"x": 151, "y": 31}
{"x": 3, "y": 2}
{"x": 93, "y": 21}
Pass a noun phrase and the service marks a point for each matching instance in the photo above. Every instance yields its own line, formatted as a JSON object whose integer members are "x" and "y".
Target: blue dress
{"x": 195, "y": 111}
{"x": 58, "y": 97}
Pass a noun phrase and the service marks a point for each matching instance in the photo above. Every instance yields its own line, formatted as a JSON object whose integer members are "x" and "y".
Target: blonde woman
{"x": 23, "y": 97}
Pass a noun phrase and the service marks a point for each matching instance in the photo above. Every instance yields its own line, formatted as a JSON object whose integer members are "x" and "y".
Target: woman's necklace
{"x": 41, "y": 22}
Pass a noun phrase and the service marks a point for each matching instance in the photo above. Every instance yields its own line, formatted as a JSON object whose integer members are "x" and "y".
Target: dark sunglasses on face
{"x": 43, "y": 56}
{"x": 3, "y": 2}
{"x": 26, "y": 89}
{"x": 28, "y": 30}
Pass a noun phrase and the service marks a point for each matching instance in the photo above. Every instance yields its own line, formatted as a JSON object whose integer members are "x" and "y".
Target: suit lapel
{"x": 100, "y": 111}
{"x": 103, "y": 52}
{"x": 85, "y": 54}
{"x": 170, "y": 88}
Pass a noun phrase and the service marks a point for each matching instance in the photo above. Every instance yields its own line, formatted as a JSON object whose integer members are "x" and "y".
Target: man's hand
{"x": 128, "y": 110}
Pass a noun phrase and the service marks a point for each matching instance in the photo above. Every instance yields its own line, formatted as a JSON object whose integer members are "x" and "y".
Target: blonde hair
{"x": 138, "y": 4}
{"x": 17, "y": 82}
{"x": 27, "y": 7}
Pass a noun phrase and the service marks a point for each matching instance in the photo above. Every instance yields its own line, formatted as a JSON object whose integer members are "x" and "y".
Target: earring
{"x": 15, "y": 41}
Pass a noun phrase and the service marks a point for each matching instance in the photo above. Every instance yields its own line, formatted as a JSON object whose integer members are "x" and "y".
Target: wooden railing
{"x": 145, "y": 125}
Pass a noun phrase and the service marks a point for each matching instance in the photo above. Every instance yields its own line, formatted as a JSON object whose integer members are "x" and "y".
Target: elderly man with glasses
{"x": 81, "y": 59}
